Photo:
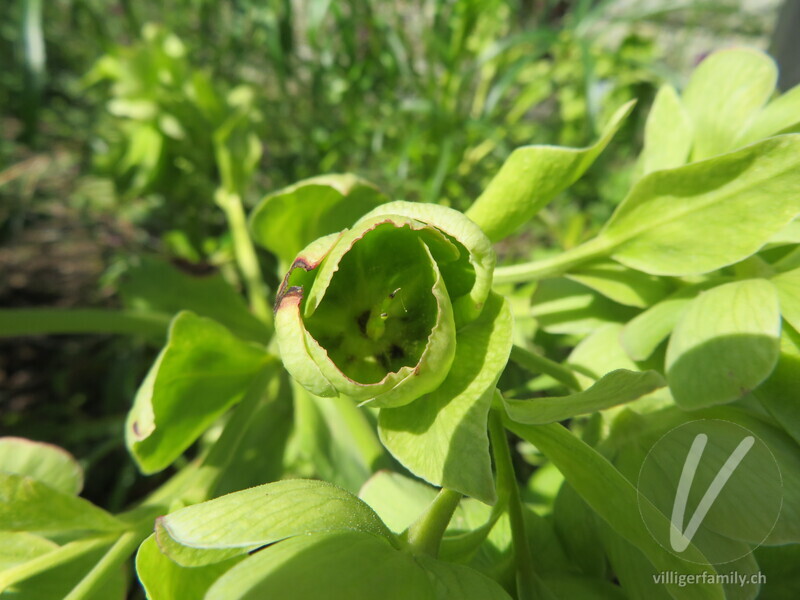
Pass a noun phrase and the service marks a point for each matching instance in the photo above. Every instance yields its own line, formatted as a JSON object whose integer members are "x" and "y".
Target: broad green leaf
{"x": 398, "y": 500}
{"x": 780, "y": 393}
{"x": 630, "y": 566}
{"x": 337, "y": 438}
{"x": 60, "y": 580}
{"x": 765, "y": 482}
{"x": 164, "y": 579}
{"x": 46, "y": 463}
{"x": 201, "y": 372}
{"x": 780, "y": 115}
{"x": 17, "y": 547}
{"x": 243, "y": 521}
{"x": 155, "y": 285}
{"x": 667, "y": 134}
{"x": 786, "y": 453}
{"x": 788, "y": 286}
{"x": 259, "y": 456}
{"x": 442, "y": 437}
{"x": 572, "y": 586}
{"x": 748, "y": 505}
{"x": 620, "y": 284}
{"x": 531, "y": 177}
{"x": 287, "y": 221}
{"x": 459, "y": 582}
{"x": 724, "y": 94}
{"x": 779, "y": 568}
{"x": 672, "y": 222}
{"x": 614, "y": 388}
{"x": 577, "y": 528}
{"x": 29, "y": 505}
{"x": 641, "y": 581}
{"x": 725, "y": 344}
{"x": 789, "y": 235}
{"x": 599, "y": 353}
{"x": 340, "y": 565}
{"x": 564, "y": 306}
{"x": 642, "y": 334}
{"x": 614, "y": 499}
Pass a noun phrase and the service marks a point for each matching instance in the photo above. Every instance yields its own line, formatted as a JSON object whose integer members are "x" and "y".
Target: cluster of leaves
{"x": 683, "y": 306}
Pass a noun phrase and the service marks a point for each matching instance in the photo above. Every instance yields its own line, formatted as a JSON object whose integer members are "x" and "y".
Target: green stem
{"x": 35, "y": 321}
{"x": 245, "y": 253}
{"x": 45, "y": 562}
{"x": 554, "y": 266}
{"x": 540, "y": 364}
{"x": 425, "y": 535}
{"x": 116, "y": 555}
{"x": 508, "y": 490}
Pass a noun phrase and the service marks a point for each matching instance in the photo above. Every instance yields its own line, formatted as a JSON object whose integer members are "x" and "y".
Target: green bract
{"x": 372, "y": 312}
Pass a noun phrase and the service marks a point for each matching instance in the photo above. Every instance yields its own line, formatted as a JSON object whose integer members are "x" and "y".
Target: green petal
{"x": 286, "y": 221}
{"x": 480, "y": 257}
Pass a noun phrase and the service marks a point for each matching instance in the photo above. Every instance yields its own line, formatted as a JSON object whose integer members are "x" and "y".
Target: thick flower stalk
{"x": 372, "y": 312}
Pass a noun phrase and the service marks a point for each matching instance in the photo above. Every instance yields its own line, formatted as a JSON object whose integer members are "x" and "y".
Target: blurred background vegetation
{"x": 120, "y": 120}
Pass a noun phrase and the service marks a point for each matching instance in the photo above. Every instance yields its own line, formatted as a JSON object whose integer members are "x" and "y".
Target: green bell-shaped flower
{"x": 372, "y": 312}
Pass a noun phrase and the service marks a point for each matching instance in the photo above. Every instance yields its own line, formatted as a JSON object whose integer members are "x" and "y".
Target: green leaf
{"x": 337, "y": 438}
{"x": 672, "y": 222}
{"x": 564, "y": 306}
{"x": 60, "y": 580}
{"x": 642, "y": 334}
{"x": 398, "y": 500}
{"x": 614, "y": 388}
{"x": 531, "y": 177}
{"x": 620, "y": 284}
{"x": 639, "y": 579}
{"x": 287, "y": 221}
{"x": 582, "y": 587}
{"x": 599, "y": 353}
{"x": 614, "y": 499}
{"x": 779, "y": 567}
{"x": 29, "y": 505}
{"x": 667, "y": 134}
{"x": 780, "y": 115}
{"x": 442, "y": 437}
{"x": 201, "y": 372}
{"x": 164, "y": 579}
{"x": 326, "y": 566}
{"x": 786, "y": 452}
{"x": 157, "y": 286}
{"x": 577, "y": 528}
{"x": 724, "y": 94}
{"x": 459, "y": 582}
{"x": 725, "y": 344}
{"x": 46, "y": 463}
{"x": 780, "y": 393}
{"x": 18, "y": 547}
{"x": 244, "y": 521}
{"x": 788, "y": 286}
{"x": 630, "y": 566}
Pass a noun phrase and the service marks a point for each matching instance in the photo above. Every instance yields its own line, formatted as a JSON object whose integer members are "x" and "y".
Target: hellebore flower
{"x": 372, "y": 312}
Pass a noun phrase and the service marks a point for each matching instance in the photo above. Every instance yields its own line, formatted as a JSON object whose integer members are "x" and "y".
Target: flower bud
{"x": 371, "y": 312}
